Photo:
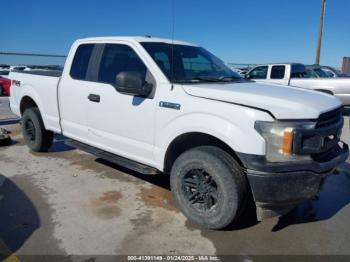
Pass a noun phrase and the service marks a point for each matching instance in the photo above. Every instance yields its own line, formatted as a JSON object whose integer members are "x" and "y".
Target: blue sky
{"x": 241, "y": 31}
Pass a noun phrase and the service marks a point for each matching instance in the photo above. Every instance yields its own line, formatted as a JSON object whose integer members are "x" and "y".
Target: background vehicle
{"x": 4, "y": 72}
{"x": 161, "y": 105}
{"x": 18, "y": 68}
{"x": 5, "y": 84}
{"x": 332, "y": 72}
{"x": 4, "y": 69}
{"x": 294, "y": 74}
{"x": 315, "y": 71}
{"x": 241, "y": 71}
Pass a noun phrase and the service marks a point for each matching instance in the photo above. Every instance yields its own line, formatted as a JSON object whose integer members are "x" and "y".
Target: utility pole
{"x": 320, "y": 32}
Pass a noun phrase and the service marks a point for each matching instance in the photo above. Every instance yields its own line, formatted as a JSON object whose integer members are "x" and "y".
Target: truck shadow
{"x": 333, "y": 196}
{"x": 161, "y": 180}
{"x": 18, "y": 217}
{"x": 59, "y": 145}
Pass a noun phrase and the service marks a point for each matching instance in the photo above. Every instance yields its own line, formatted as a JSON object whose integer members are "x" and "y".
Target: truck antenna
{"x": 172, "y": 42}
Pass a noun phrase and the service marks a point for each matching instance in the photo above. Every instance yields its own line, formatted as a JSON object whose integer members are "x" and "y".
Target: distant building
{"x": 346, "y": 65}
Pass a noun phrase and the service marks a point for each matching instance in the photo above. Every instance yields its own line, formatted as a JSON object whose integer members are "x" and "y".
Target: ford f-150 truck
{"x": 164, "y": 106}
{"x": 294, "y": 74}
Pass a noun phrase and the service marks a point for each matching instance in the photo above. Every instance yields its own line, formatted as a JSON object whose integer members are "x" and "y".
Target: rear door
{"x": 73, "y": 94}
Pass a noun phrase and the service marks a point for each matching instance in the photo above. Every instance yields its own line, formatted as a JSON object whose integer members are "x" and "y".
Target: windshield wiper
{"x": 210, "y": 79}
{"x": 229, "y": 78}
{"x": 197, "y": 80}
{"x": 217, "y": 79}
{"x": 206, "y": 79}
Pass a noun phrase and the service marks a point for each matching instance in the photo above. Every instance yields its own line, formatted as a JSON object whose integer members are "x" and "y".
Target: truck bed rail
{"x": 53, "y": 73}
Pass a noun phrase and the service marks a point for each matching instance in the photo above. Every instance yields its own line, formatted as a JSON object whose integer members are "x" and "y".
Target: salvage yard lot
{"x": 68, "y": 202}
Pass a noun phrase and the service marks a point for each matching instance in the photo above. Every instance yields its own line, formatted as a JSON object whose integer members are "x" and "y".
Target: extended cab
{"x": 295, "y": 74}
{"x": 157, "y": 105}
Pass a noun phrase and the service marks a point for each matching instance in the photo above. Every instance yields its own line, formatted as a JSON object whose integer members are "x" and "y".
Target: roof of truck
{"x": 136, "y": 39}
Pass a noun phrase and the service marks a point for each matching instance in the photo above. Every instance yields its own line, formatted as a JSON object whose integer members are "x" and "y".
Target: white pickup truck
{"x": 294, "y": 74}
{"x": 165, "y": 106}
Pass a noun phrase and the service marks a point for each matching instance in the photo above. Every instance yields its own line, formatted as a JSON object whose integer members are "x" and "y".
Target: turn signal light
{"x": 287, "y": 142}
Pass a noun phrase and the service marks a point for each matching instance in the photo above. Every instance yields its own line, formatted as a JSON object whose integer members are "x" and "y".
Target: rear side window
{"x": 277, "y": 72}
{"x": 81, "y": 61}
{"x": 119, "y": 58}
{"x": 259, "y": 73}
{"x": 298, "y": 71}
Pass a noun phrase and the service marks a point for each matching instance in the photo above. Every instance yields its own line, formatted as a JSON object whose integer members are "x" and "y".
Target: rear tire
{"x": 209, "y": 186}
{"x": 37, "y": 138}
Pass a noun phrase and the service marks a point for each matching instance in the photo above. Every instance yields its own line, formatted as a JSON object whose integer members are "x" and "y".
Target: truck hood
{"x": 282, "y": 102}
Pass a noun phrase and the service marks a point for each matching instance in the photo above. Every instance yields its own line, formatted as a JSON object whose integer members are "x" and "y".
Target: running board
{"x": 115, "y": 159}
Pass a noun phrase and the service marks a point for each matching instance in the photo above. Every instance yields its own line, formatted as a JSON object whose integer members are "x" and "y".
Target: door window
{"x": 277, "y": 72}
{"x": 81, "y": 61}
{"x": 117, "y": 58}
{"x": 259, "y": 72}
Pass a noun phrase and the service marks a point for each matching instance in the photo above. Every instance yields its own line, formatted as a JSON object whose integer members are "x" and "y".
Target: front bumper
{"x": 279, "y": 187}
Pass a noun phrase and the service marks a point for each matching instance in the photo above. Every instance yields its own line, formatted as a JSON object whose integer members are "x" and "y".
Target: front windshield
{"x": 189, "y": 64}
{"x": 321, "y": 73}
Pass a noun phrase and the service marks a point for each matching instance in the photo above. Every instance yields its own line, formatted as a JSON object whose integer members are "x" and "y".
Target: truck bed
{"x": 42, "y": 87}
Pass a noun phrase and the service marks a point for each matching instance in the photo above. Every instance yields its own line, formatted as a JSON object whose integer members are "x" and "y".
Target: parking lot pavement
{"x": 67, "y": 202}
{"x": 5, "y": 112}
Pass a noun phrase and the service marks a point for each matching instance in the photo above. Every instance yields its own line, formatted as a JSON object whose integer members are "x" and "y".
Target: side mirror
{"x": 132, "y": 83}
{"x": 247, "y": 76}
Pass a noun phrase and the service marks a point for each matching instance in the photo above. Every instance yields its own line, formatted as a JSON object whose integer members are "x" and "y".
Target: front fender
{"x": 240, "y": 136}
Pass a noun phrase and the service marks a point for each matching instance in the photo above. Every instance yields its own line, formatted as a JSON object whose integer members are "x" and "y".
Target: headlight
{"x": 279, "y": 139}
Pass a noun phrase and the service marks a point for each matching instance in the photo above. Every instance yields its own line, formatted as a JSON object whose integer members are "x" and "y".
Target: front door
{"x": 120, "y": 123}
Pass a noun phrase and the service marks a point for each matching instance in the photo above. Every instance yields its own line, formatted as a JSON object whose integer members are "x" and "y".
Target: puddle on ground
{"x": 110, "y": 197}
{"x": 157, "y": 197}
{"x": 106, "y": 206}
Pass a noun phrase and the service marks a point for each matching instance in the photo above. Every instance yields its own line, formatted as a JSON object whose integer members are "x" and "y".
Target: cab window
{"x": 81, "y": 61}
{"x": 117, "y": 58}
{"x": 277, "y": 72}
{"x": 259, "y": 72}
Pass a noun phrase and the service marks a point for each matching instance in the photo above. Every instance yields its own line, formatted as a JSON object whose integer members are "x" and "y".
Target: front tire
{"x": 209, "y": 186}
{"x": 37, "y": 138}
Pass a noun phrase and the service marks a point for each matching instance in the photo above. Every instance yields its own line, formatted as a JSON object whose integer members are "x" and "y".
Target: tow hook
{"x": 5, "y": 139}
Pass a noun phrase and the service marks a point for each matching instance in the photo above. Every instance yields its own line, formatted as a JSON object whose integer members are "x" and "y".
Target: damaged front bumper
{"x": 279, "y": 187}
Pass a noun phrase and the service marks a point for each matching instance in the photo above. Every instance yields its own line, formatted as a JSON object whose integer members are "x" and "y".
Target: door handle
{"x": 94, "y": 98}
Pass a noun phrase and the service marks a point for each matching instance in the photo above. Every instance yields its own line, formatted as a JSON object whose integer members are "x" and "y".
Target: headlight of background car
{"x": 279, "y": 139}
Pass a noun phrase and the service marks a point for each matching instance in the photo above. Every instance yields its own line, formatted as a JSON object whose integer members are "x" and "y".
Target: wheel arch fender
{"x": 29, "y": 93}
{"x": 236, "y": 138}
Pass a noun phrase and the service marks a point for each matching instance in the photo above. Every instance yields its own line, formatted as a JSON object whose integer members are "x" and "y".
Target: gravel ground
{"x": 5, "y": 112}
